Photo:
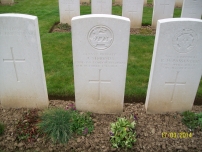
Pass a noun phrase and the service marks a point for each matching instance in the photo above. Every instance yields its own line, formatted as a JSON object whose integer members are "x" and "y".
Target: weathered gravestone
{"x": 192, "y": 9}
{"x": 133, "y": 9}
{"x": 22, "y": 78}
{"x": 68, "y": 9}
{"x": 100, "y": 52}
{"x": 176, "y": 66}
{"x": 7, "y": 1}
{"x": 162, "y": 9}
{"x": 179, "y": 3}
{"x": 101, "y": 6}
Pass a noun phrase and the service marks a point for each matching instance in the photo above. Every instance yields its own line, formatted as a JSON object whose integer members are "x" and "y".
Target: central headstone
{"x": 133, "y": 9}
{"x": 101, "y": 6}
{"x": 162, "y": 9}
{"x": 176, "y": 66}
{"x": 192, "y": 9}
{"x": 68, "y": 9}
{"x": 22, "y": 78}
{"x": 100, "y": 53}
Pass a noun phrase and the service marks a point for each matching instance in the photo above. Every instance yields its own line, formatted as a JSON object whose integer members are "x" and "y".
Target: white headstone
{"x": 22, "y": 78}
{"x": 176, "y": 66}
{"x": 192, "y": 9}
{"x": 133, "y": 9}
{"x": 68, "y": 9}
{"x": 178, "y": 3}
{"x": 100, "y": 53}
{"x": 101, "y": 6}
{"x": 162, "y": 9}
{"x": 7, "y": 1}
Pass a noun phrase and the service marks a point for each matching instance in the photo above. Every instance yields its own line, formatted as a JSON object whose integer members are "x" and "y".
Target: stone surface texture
{"x": 68, "y": 9}
{"x": 133, "y": 9}
{"x": 162, "y": 9}
{"x": 101, "y": 6}
{"x": 100, "y": 54}
{"x": 22, "y": 78}
{"x": 176, "y": 66}
{"x": 192, "y": 9}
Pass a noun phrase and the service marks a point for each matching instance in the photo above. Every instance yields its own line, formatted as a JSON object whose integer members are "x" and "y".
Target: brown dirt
{"x": 149, "y": 132}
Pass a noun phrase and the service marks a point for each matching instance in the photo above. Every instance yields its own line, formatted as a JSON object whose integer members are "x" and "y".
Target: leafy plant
{"x": 2, "y": 127}
{"x": 26, "y": 128}
{"x": 56, "y": 123}
{"x": 192, "y": 120}
{"x": 123, "y": 133}
{"x": 82, "y": 123}
{"x": 199, "y": 117}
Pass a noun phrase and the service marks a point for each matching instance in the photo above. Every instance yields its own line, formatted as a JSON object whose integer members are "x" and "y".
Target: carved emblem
{"x": 185, "y": 40}
{"x": 100, "y": 37}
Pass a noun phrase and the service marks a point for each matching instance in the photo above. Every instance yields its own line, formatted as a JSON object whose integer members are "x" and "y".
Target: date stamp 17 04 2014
{"x": 181, "y": 135}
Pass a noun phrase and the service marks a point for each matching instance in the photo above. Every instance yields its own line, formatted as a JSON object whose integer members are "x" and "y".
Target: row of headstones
{"x": 133, "y": 9}
{"x": 100, "y": 54}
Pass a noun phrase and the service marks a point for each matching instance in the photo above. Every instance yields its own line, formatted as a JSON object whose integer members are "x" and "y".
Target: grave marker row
{"x": 100, "y": 54}
{"x": 133, "y": 9}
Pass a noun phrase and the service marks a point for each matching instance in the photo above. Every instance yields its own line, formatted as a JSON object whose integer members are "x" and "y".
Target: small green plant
{"x": 192, "y": 120}
{"x": 82, "y": 123}
{"x": 2, "y": 127}
{"x": 56, "y": 123}
{"x": 123, "y": 133}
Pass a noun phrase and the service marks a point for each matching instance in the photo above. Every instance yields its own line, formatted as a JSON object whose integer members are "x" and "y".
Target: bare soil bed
{"x": 149, "y": 131}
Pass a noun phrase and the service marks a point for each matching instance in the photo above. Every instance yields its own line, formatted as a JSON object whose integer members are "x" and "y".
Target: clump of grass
{"x": 64, "y": 26}
{"x": 60, "y": 124}
{"x": 192, "y": 120}
{"x": 56, "y": 123}
{"x": 2, "y": 128}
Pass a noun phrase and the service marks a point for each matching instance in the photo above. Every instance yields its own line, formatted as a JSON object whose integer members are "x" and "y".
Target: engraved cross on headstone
{"x": 101, "y": 3}
{"x": 99, "y": 81}
{"x": 14, "y": 63}
{"x": 175, "y": 83}
{"x": 164, "y": 5}
{"x": 69, "y": 10}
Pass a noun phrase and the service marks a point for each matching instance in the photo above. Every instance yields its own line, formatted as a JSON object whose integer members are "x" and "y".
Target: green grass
{"x": 57, "y": 49}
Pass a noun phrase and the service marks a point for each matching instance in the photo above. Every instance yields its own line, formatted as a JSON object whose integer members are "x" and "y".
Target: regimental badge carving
{"x": 185, "y": 40}
{"x": 100, "y": 37}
